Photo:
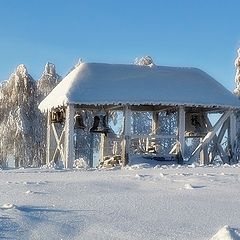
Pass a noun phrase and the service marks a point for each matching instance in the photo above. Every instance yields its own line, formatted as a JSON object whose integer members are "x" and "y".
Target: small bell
{"x": 79, "y": 124}
{"x": 57, "y": 116}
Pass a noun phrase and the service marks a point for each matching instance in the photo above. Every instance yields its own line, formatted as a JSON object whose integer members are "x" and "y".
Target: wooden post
{"x": 102, "y": 146}
{"x": 69, "y": 131}
{"x": 90, "y": 163}
{"x": 233, "y": 135}
{"x": 181, "y": 129}
{"x": 51, "y": 144}
{"x": 126, "y": 136}
{"x": 204, "y": 158}
{"x": 155, "y": 123}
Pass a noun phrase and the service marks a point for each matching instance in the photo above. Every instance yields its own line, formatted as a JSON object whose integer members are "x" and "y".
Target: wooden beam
{"x": 155, "y": 122}
{"x": 59, "y": 141}
{"x": 158, "y": 136}
{"x": 204, "y": 159}
{"x": 181, "y": 129}
{"x": 223, "y": 129}
{"x": 69, "y": 131}
{"x": 102, "y": 146}
{"x": 126, "y": 136}
{"x": 51, "y": 144}
{"x": 217, "y": 147}
{"x": 233, "y": 135}
{"x": 222, "y": 153}
{"x": 209, "y": 135}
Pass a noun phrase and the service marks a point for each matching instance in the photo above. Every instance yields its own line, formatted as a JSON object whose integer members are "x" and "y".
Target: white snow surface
{"x": 100, "y": 83}
{"x": 136, "y": 202}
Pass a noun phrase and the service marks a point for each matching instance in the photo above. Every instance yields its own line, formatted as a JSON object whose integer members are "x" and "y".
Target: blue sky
{"x": 199, "y": 33}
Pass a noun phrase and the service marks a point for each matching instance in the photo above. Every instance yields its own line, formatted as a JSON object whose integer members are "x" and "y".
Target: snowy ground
{"x": 138, "y": 202}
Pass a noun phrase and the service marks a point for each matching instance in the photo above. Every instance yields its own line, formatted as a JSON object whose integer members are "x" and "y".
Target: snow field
{"x": 138, "y": 202}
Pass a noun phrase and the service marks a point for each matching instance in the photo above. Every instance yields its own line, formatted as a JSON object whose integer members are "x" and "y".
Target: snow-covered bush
{"x": 144, "y": 61}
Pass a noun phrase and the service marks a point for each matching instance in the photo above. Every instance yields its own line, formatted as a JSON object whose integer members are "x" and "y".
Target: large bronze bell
{"x": 79, "y": 124}
{"x": 100, "y": 125}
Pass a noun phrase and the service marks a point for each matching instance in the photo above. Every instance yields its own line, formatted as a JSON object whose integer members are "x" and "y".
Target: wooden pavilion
{"x": 100, "y": 88}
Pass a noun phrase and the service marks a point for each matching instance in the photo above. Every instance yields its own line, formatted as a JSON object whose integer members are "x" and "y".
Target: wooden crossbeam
{"x": 59, "y": 142}
{"x": 209, "y": 136}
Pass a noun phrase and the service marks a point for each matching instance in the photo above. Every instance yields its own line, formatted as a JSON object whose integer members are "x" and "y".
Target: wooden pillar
{"x": 90, "y": 163}
{"x": 51, "y": 143}
{"x": 204, "y": 158}
{"x": 233, "y": 136}
{"x": 181, "y": 129}
{"x": 102, "y": 146}
{"x": 126, "y": 135}
{"x": 69, "y": 131}
{"x": 155, "y": 122}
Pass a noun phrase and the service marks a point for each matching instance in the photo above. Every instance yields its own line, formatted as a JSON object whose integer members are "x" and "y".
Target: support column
{"x": 204, "y": 158}
{"x": 126, "y": 135}
{"x": 155, "y": 122}
{"x": 69, "y": 131}
{"x": 233, "y": 136}
{"x": 102, "y": 146}
{"x": 51, "y": 144}
{"x": 181, "y": 129}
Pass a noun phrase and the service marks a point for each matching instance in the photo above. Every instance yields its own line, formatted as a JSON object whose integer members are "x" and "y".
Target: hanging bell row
{"x": 99, "y": 123}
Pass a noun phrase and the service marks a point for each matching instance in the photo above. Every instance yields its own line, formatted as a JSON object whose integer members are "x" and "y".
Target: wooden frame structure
{"x": 60, "y": 144}
{"x": 189, "y": 92}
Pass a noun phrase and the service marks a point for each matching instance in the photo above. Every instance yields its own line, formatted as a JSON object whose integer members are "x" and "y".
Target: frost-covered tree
{"x": 48, "y": 81}
{"x": 18, "y": 106}
{"x": 45, "y": 85}
{"x": 22, "y": 125}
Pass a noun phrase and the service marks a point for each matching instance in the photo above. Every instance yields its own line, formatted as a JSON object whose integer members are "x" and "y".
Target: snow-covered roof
{"x": 101, "y": 83}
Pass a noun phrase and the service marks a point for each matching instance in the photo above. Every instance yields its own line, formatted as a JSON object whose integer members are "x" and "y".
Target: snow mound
{"x": 226, "y": 233}
{"x": 188, "y": 186}
{"x": 7, "y": 206}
